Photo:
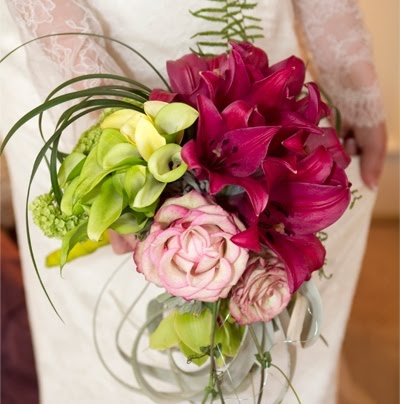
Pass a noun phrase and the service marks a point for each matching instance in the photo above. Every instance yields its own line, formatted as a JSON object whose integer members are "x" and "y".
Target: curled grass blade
{"x": 94, "y": 36}
{"x": 60, "y": 100}
{"x": 97, "y": 104}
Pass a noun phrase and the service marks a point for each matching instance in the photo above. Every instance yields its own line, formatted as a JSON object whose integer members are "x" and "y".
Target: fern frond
{"x": 212, "y": 44}
{"x": 207, "y": 33}
{"x": 235, "y": 23}
{"x": 249, "y": 17}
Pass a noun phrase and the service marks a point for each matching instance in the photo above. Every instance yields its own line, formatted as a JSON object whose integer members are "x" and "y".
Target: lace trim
{"x": 341, "y": 53}
{"x": 74, "y": 56}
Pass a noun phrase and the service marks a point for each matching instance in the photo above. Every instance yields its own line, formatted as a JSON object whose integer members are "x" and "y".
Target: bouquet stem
{"x": 213, "y": 380}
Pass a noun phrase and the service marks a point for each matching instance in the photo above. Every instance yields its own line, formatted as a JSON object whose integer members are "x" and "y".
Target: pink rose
{"x": 189, "y": 250}
{"x": 262, "y": 293}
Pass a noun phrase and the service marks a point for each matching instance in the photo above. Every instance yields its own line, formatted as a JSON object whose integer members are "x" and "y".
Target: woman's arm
{"x": 74, "y": 55}
{"x": 341, "y": 53}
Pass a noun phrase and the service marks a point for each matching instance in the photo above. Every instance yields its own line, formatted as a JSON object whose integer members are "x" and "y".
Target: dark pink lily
{"x": 308, "y": 195}
{"x": 228, "y": 154}
{"x": 302, "y": 255}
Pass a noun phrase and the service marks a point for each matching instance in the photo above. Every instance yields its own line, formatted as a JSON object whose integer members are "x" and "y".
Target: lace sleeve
{"x": 341, "y": 53}
{"x": 73, "y": 55}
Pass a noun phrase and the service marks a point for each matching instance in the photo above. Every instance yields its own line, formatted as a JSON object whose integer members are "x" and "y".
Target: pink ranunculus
{"x": 189, "y": 250}
{"x": 262, "y": 293}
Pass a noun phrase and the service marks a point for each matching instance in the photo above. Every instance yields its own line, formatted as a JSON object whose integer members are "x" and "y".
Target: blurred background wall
{"x": 369, "y": 369}
{"x": 382, "y": 20}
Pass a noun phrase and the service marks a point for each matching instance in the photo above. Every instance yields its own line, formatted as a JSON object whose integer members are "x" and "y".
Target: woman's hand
{"x": 370, "y": 144}
{"x": 122, "y": 244}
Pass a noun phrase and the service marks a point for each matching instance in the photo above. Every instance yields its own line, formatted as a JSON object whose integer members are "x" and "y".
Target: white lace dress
{"x": 68, "y": 367}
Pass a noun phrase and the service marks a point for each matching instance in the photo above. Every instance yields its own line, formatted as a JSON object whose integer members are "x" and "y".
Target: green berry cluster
{"x": 90, "y": 137}
{"x": 48, "y": 216}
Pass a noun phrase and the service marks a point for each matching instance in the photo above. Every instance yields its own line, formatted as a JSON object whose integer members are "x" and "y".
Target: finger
{"x": 371, "y": 166}
{"x": 351, "y": 146}
{"x": 373, "y": 151}
{"x": 119, "y": 243}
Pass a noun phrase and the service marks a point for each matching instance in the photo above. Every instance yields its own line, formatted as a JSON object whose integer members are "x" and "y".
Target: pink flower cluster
{"x": 261, "y": 293}
{"x": 189, "y": 250}
{"x": 258, "y": 140}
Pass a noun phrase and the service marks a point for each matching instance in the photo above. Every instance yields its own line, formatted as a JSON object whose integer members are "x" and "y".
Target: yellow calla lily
{"x": 118, "y": 118}
{"x": 152, "y": 108}
{"x": 147, "y": 138}
{"x": 128, "y": 129}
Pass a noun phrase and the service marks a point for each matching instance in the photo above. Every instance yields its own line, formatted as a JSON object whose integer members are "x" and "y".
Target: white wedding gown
{"x": 68, "y": 367}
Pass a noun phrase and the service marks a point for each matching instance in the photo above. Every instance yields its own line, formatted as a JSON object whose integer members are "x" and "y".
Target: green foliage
{"x": 90, "y": 137}
{"x": 233, "y": 22}
{"x": 48, "y": 217}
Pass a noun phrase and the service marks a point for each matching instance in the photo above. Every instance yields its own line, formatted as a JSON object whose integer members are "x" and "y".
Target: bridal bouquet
{"x": 227, "y": 181}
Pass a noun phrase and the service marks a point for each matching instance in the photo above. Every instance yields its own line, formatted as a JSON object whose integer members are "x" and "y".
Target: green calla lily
{"x": 152, "y": 108}
{"x": 129, "y": 223}
{"x": 75, "y": 236}
{"x": 166, "y": 163}
{"x": 175, "y": 117}
{"x": 149, "y": 193}
{"x": 91, "y": 175}
{"x": 106, "y": 209}
{"x": 148, "y": 211}
{"x": 70, "y": 168}
{"x": 118, "y": 181}
{"x": 134, "y": 180}
{"x": 108, "y": 139}
{"x": 122, "y": 154}
{"x": 67, "y": 201}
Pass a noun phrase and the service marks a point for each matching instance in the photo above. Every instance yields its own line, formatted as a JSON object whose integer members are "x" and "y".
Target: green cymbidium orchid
{"x": 191, "y": 333}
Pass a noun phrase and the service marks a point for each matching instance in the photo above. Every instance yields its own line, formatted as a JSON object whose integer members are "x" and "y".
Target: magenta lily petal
{"x": 312, "y": 107}
{"x": 295, "y": 143}
{"x": 295, "y": 120}
{"x": 306, "y": 208}
{"x": 277, "y": 170}
{"x": 315, "y": 168}
{"x": 252, "y": 56}
{"x": 211, "y": 125}
{"x": 190, "y": 157}
{"x": 296, "y": 80}
{"x": 271, "y": 92}
{"x": 213, "y": 82}
{"x": 184, "y": 73}
{"x": 243, "y": 150}
{"x": 330, "y": 140}
{"x": 239, "y": 83}
{"x": 248, "y": 238}
{"x": 302, "y": 255}
{"x": 237, "y": 115}
{"x": 162, "y": 95}
{"x": 338, "y": 177}
{"x": 255, "y": 190}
